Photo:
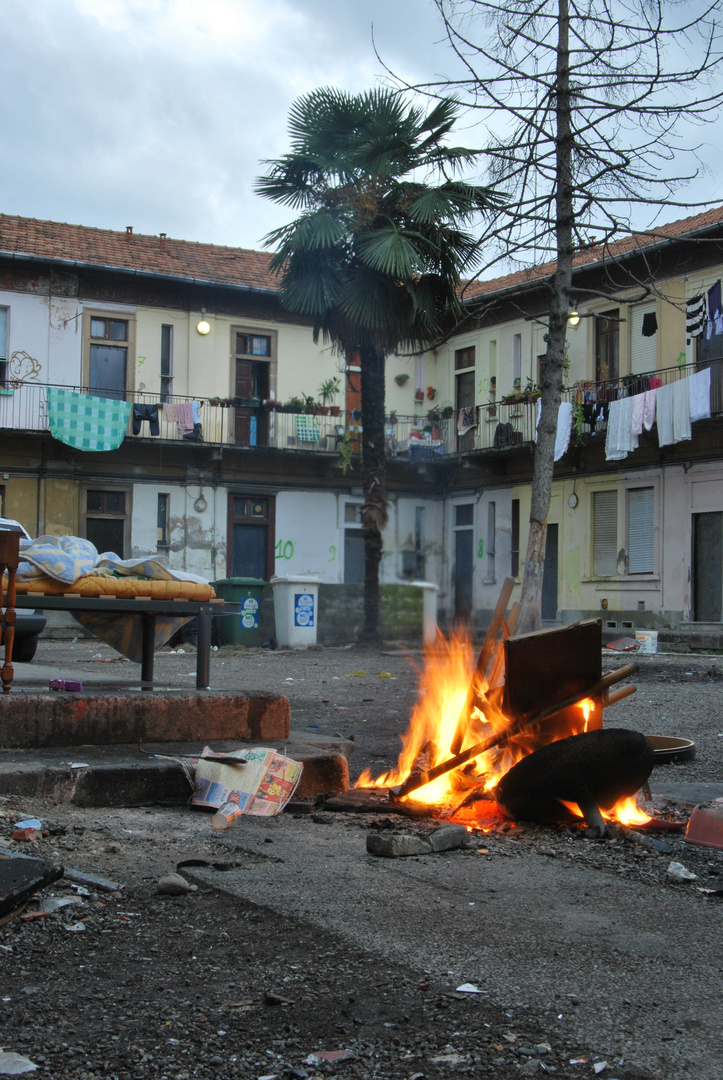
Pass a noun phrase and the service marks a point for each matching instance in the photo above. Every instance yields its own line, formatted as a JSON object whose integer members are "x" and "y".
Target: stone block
{"x": 396, "y": 845}
{"x": 448, "y": 838}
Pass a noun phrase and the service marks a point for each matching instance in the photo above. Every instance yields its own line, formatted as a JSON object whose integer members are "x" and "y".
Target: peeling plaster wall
{"x": 46, "y": 331}
{"x": 195, "y": 536}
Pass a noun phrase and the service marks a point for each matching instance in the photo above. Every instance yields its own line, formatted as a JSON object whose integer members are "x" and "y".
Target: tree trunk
{"x": 374, "y": 510}
{"x": 552, "y": 372}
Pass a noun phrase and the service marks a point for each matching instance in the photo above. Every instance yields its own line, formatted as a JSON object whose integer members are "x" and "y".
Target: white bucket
{"x": 648, "y": 640}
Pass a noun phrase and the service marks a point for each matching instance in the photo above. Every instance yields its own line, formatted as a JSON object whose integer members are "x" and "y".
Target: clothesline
{"x": 673, "y": 408}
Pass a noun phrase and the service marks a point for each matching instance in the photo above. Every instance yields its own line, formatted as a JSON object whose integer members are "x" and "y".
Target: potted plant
{"x": 448, "y": 412}
{"x": 393, "y": 416}
{"x": 294, "y": 405}
{"x": 427, "y": 429}
{"x": 419, "y": 394}
{"x": 435, "y": 417}
{"x": 401, "y": 378}
{"x": 431, "y": 393}
{"x": 311, "y": 405}
{"x": 327, "y": 392}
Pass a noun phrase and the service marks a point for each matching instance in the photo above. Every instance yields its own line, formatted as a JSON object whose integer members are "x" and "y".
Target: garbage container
{"x": 240, "y": 629}
{"x": 296, "y": 610}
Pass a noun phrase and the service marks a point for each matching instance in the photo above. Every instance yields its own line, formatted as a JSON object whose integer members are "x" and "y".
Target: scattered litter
{"x": 260, "y": 784}
{"x": 355, "y": 674}
{"x": 28, "y": 829}
{"x": 327, "y": 1055}
{"x": 102, "y": 884}
{"x": 81, "y": 890}
{"x": 65, "y": 684}
{"x": 680, "y": 873}
{"x": 386, "y": 675}
{"x": 79, "y": 765}
{"x": 74, "y": 928}
{"x": 623, "y": 644}
{"x": 272, "y": 998}
{"x": 288, "y": 680}
{"x": 578, "y": 1061}
{"x": 12, "y": 1064}
{"x": 600, "y": 1066}
{"x": 174, "y": 885}
{"x": 49, "y": 904}
{"x": 469, "y": 988}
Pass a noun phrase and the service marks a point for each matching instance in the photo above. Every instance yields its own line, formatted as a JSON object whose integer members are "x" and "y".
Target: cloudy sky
{"x": 157, "y": 113}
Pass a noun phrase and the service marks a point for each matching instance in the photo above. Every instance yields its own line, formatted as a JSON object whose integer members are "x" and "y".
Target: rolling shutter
{"x": 605, "y": 533}
{"x": 643, "y": 350}
{"x": 641, "y": 528}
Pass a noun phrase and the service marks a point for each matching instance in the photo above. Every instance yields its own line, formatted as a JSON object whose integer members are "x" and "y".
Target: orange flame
{"x": 625, "y": 812}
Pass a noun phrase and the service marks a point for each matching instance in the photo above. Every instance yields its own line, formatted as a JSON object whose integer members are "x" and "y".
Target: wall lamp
{"x": 573, "y": 318}
{"x": 203, "y": 327}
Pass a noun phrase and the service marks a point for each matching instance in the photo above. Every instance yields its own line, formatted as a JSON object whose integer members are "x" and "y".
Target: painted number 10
{"x": 284, "y": 550}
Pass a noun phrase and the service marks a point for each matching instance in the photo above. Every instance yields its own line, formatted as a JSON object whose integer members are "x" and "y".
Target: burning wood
{"x": 522, "y": 694}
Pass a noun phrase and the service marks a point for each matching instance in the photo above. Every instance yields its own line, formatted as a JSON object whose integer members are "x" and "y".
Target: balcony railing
{"x": 255, "y": 426}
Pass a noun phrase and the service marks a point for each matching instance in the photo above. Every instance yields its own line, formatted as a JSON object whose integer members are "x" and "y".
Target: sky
{"x": 159, "y": 113}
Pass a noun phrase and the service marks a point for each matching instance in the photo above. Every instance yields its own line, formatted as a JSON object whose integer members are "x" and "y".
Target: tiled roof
{"x": 599, "y": 253}
{"x": 240, "y": 268}
{"x": 145, "y": 254}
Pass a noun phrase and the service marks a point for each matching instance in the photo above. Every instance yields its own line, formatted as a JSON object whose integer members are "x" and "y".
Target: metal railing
{"x": 266, "y": 426}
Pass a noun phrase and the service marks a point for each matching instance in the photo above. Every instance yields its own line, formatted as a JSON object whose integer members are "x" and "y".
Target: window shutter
{"x": 643, "y": 350}
{"x": 640, "y": 531}
{"x": 605, "y": 533}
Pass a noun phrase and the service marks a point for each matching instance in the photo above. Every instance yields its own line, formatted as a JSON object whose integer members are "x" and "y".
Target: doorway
{"x": 550, "y": 576}
{"x": 463, "y": 560}
{"x": 708, "y": 567}
{"x": 251, "y": 536}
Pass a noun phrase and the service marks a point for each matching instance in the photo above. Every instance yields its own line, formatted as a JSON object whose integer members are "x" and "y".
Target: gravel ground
{"x": 296, "y": 941}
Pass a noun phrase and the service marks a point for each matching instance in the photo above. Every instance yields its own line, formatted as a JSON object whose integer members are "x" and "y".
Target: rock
{"x": 448, "y": 838}
{"x": 396, "y": 846}
{"x": 174, "y": 885}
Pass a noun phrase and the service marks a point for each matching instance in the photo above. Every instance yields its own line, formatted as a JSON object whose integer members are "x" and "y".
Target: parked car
{"x": 28, "y": 624}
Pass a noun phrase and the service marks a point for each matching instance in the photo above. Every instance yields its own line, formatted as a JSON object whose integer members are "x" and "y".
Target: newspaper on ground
{"x": 261, "y": 784}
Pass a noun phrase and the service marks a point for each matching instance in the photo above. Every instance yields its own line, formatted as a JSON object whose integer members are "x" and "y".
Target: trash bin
{"x": 240, "y": 629}
{"x": 296, "y": 610}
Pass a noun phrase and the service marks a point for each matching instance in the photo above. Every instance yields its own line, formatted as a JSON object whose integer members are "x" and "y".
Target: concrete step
{"x": 126, "y": 775}
{"x": 693, "y": 637}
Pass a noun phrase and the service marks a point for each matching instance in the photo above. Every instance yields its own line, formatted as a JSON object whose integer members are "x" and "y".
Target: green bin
{"x": 243, "y": 629}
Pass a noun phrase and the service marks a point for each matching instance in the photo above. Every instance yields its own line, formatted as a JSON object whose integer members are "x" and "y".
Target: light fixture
{"x": 203, "y": 327}
{"x": 574, "y": 318}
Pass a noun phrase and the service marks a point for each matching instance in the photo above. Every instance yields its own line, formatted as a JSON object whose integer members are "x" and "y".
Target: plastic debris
{"x": 27, "y": 829}
{"x": 355, "y": 674}
{"x": 469, "y": 988}
{"x": 678, "y": 872}
{"x": 102, "y": 884}
{"x": 600, "y": 1066}
{"x": 65, "y": 684}
{"x": 12, "y": 1064}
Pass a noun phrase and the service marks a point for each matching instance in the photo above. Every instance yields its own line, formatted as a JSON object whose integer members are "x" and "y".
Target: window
{"x": 464, "y": 515}
{"x": 641, "y": 531}
{"x": 3, "y": 346}
{"x": 253, "y": 345}
{"x": 607, "y": 345}
{"x": 605, "y": 533}
{"x": 643, "y": 348}
{"x": 353, "y": 545}
{"x": 490, "y": 541}
{"x": 107, "y": 345}
{"x": 162, "y": 521}
{"x": 517, "y": 359}
{"x": 464, "y": 358}
{"x": 166, "y": 362}
{"x": 515, "y": 539}
{"x": 463, "y": 574}
{"x": 106, "y": 520}
{"x": 419, "y": 543}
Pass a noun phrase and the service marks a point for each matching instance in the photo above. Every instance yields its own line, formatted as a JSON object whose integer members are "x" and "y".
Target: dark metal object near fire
{"x": 594, "y": 770}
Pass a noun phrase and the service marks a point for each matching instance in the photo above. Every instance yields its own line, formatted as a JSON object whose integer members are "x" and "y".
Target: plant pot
{"x": 334, "y": 410}
{"x": 322, "y": 410}
{"x": 400, "y": 380}
{"x": 419, "y": 395}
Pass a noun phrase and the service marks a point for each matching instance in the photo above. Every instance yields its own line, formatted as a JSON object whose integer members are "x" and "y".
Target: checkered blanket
{"x": 307, "y": 428}
{"x": 87, "y": 423}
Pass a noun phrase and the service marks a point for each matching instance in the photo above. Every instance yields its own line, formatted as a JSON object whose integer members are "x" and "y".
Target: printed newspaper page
{"x": 261, "y": 784}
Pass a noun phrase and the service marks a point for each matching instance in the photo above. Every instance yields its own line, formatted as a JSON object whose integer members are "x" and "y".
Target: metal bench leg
{"x": 148, "y": 646}
{"x": 203, "y": 651}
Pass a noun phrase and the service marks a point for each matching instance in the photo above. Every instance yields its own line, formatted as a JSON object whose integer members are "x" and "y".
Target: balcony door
{"x": 252, "y": 379}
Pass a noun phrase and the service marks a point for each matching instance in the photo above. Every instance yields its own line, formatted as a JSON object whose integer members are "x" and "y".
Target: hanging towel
{"x": 699, "y": 395}
{"x": 85, "y": 422}
{"x": 170, "y": 414}
{"x": 638, "y": 414}
{"x": 619, "y": 440}
{"x": 466, "y": 420}
{"x": 184, "y": 410}
{"x": 564, "y": 427}
{"x": 650, "y": 323}
{"x": 695, "y": 317}
{"x": 673, "y": 413}
{"x": 649, "y": 409}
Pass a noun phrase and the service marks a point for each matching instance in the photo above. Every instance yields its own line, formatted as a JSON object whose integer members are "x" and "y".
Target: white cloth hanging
{"x": 673, "y": 413}
{"x": 699, "y": 394}
{"x": 619, "y": 439}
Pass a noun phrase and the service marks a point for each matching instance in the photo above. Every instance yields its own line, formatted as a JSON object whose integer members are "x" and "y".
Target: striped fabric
{"x": 695, "y": 316}
{"x": 87, "y": 423}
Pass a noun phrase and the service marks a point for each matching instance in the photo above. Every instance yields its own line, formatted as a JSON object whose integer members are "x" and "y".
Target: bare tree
{"x": 596, "y": 100}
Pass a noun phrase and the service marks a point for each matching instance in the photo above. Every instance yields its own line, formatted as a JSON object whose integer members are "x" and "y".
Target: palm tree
{"x": 377, "y": 254}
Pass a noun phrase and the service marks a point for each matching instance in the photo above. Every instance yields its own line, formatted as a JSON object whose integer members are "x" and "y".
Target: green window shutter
{"x": 641, "y": 527}
{"x": 605, "y": 533}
